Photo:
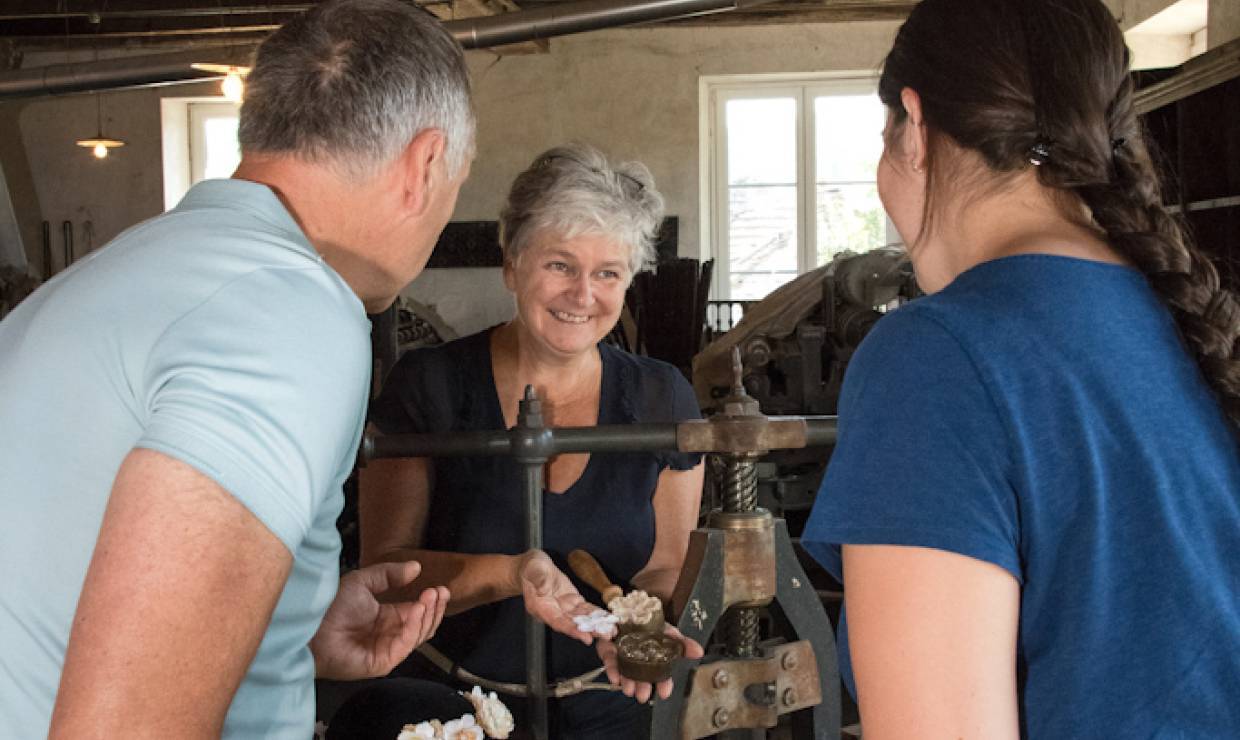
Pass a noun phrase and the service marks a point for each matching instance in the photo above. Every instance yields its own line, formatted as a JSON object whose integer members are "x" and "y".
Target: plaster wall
{"x": 632, "y": 92}
{"x": 1222, "y": 22}
{"x": 57, "y": 181}
{"x": 100, "y": 197}
{"x": 1132, "y": 12}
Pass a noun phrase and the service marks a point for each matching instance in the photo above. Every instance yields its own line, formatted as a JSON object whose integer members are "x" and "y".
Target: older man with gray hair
{"x": 180, "y": 410}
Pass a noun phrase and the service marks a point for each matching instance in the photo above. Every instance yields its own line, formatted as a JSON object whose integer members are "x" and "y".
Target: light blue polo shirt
{"x": 214, "y": 334}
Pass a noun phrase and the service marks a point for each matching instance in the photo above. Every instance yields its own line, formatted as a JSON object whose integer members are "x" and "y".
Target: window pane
{"x": 848, "y": 144}
{"x": 762, "y": 141}
{"x": 762, "y": 229}
{"x": 849, "y": 217}
{"x": 848, "y": 137}
{"x": 222, "y": 152}
{"x": 762, "y": 194}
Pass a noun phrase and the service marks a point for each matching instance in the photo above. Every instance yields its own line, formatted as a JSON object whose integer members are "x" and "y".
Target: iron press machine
{"x": 740, "y": 563}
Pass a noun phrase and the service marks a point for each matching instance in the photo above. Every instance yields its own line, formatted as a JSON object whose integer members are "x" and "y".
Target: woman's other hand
{"x": 641, "y": 690}
{"x": 550, "y": 596}
{"x": 361, "y": 636}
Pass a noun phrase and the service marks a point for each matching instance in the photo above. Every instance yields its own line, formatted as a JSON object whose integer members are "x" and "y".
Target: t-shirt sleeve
{"x": 684, "y": 407}
{"x": 262, "y": 388}
{"x": 922, "y": 458}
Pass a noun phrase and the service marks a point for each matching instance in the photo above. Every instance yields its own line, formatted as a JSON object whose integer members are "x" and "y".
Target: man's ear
{"x": 913, "y": 137}
{"x": 422, "y": 168}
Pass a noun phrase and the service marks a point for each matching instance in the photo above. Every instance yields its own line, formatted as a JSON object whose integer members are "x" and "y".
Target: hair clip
{"x": 1040, "y": 153}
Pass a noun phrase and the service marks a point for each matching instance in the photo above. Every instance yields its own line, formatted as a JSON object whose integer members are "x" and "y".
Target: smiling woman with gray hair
{"x": 572, "y": 190}
{"x": 574, "y": 231}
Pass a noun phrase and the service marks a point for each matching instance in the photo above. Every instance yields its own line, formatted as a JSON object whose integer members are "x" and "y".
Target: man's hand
{"x": 641, "y": 690}
{"x": 550, "y": 597}
{"x": 361, "y": 637}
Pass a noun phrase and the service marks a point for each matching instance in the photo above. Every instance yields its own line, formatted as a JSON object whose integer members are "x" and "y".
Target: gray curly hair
{"x": 573, "y": 190}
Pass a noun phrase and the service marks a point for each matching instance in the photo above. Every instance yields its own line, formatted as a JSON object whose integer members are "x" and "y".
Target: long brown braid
{"x": 1047, "y": 84}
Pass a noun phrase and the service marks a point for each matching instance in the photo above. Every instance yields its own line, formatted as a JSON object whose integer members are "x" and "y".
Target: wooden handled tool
{"x": 588, "y": 570}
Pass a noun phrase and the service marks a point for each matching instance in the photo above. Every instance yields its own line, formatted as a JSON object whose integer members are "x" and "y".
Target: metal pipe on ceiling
{"x": 472, "y": 33}
{"x": 568, "y": 18}
{"x": 96, "y": 16}
{"x": 114, "y": 74}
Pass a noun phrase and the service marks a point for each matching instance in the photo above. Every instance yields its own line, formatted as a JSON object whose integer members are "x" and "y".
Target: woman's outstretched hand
{"x": 550, "y": 596}
{"x": 640, "y": 690}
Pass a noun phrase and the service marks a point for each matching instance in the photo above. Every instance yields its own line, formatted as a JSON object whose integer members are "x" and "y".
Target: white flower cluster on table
{"x": 635, "y": 607}
{"x": 598, "y": 621}
{"x": 490, "y": 719}
{"x": 493, "y": 716}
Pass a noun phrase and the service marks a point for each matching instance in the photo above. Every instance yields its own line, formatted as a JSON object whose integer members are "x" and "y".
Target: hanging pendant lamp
{"x": 100, "y": 145}
{"x": 233, "y": 85}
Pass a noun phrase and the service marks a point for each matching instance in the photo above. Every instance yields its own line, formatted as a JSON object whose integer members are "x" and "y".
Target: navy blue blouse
{"x": 477, "y": 503}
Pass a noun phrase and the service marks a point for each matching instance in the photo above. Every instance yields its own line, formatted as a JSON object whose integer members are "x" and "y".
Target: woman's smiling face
{"x": 569, "y": 292}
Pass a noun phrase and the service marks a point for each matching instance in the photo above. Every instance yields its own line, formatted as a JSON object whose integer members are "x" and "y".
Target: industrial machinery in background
{"x": 796, "y": 343}
{"x": 795, "y": 346}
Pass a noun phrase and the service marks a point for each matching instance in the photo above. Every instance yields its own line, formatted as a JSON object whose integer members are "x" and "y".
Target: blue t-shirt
{"x": 214, "y": 334}
{"x": 1040, "y": 413}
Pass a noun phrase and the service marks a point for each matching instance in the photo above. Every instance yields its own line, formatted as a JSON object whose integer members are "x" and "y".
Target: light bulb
{"x": 233, "y": 87}
{"x": 100, "y": 151}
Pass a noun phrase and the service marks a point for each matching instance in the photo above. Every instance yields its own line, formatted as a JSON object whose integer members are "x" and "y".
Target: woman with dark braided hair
{"x": 1034, "y": 503}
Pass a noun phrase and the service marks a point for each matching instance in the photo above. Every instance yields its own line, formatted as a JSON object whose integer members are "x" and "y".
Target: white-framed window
{"x": 199, "y": 142}
{"x": 788, "y": 176}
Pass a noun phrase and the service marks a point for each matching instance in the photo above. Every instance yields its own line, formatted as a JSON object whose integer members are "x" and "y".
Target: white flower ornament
{"x": 599, "y": 622}
{"x": 635, "y": 607}
{"x": 493, "y": 717}
{"x": 464, "y": 728}
{"x": 493, "y": 720}
{"x": 420, "y": 731}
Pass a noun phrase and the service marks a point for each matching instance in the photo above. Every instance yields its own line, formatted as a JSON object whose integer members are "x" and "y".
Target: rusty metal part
{"x": 748, "y": 565}
{"x": 740, "y": 563}
{"x": 756, "y": 692}
{"x": 710, "y": 709}
{"x": 797, "y": 684}
{"x": 772, "y": 433}
{"x": 742, "y": 435}
{"x": 747, "y": 576}
{"x": 758, "y": 519}
{"x": 740, "y": 484}
{"x": 738, "y": 402}
{"x": 743, "y": 632}
{"x": 807, "y": 667}
{"x": 762, "y": 694}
